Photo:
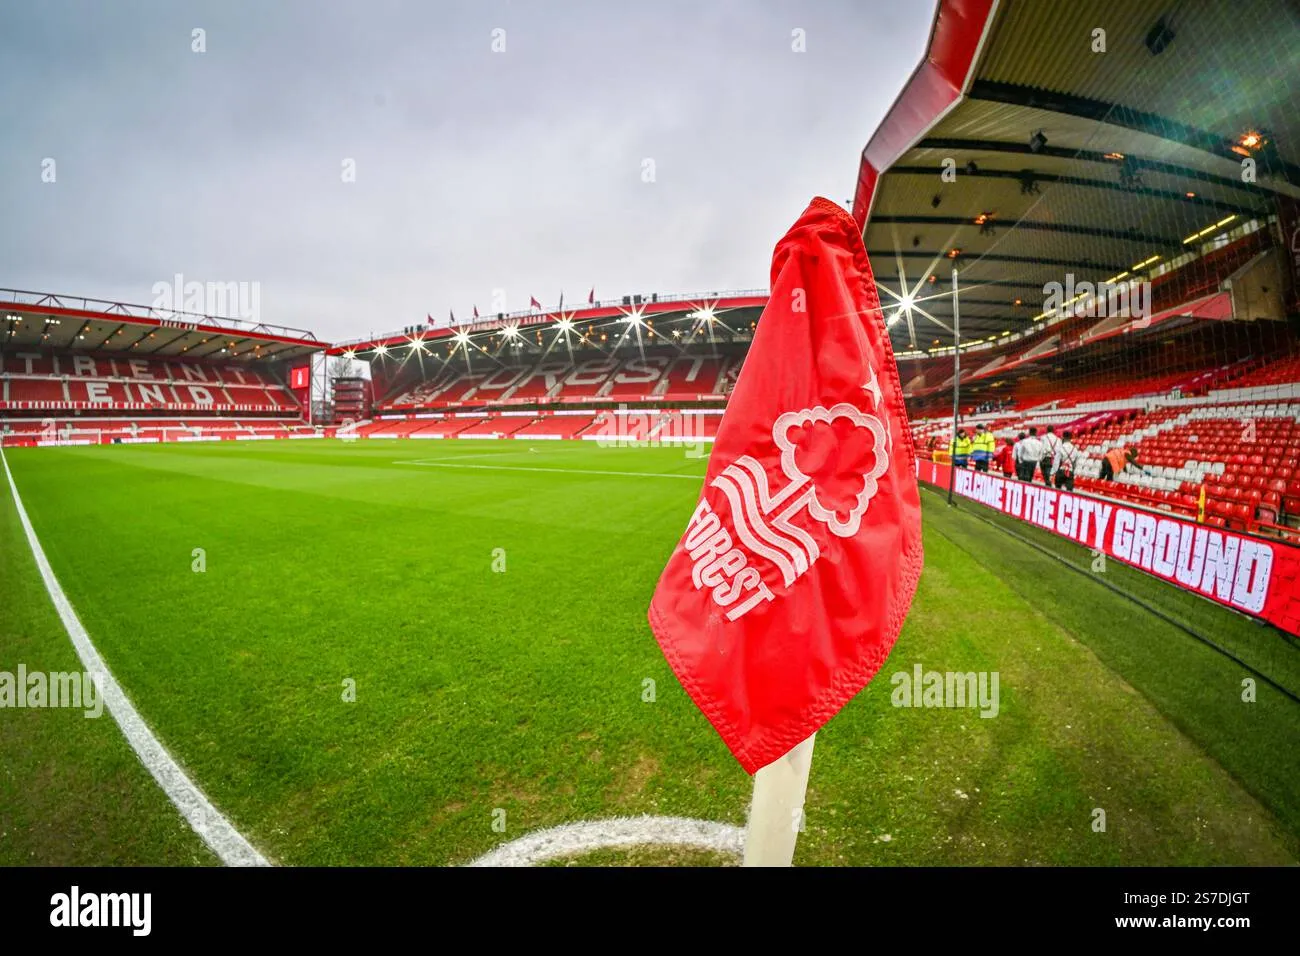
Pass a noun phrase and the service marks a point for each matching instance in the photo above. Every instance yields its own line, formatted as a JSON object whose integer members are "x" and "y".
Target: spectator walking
{"x": 1050, "y": 443}
{"x": 1064, "y": 460}
{"x": 1029, "y": 455}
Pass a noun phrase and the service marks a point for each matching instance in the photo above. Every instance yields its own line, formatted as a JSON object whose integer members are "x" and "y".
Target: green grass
{"x": 522, "y": 690}
{"x": 72, "y": 792}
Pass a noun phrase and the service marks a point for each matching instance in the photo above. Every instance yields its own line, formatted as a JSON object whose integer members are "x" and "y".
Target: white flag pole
{"x": 776, "y": 814}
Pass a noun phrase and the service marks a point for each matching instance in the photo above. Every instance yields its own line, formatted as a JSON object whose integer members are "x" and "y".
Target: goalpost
{"x": 68, "y": 435}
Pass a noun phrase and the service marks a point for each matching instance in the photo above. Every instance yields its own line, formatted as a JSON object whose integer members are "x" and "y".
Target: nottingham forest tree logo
{"x": 831, "y": 459}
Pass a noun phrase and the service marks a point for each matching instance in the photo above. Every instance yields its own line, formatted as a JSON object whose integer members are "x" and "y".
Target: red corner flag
{"x": 791, "y": 582}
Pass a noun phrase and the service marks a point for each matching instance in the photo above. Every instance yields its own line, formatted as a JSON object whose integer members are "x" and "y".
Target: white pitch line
{"x": 429, "y": 463}
{"x": 486, "y": 454}
{"x": 573, "y": 839}
{"x": 205, "y": 819}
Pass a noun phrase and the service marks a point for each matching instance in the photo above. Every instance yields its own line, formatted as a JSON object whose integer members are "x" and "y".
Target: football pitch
{"x": 413, "y": 652}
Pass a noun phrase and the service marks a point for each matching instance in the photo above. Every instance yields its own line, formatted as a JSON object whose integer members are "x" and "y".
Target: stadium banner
{"x": 1248, "y": 574}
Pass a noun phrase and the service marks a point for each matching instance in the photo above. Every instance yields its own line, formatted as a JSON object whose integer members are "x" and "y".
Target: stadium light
{"x": 1249, "y": 142}
{"x": 511, "y": 331}
{"x": 462, "y": 338}
{"x": 381, "y": 349}
{"x": 564, "y": 325}
{"x": 417, "y": 345}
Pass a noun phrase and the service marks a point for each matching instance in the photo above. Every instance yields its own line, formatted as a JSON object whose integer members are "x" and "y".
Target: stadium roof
{"x": 1125, "y": 152}
{"x": 715, "y": 315}
{"x": 36, "y": 320}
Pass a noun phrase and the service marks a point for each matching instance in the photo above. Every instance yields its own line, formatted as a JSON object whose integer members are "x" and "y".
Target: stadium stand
{"x": 641, "y": 378}
{"x": 647, "y": 369}
{"x": 556, "y": 426}
{"x": 67, "y": 381}
{"x": 149, "y": 376}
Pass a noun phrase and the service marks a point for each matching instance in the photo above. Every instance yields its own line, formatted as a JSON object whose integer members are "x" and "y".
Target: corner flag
{"x": 795, "y": 572}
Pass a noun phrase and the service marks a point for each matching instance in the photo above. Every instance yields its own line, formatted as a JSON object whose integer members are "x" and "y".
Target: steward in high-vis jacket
{"x": 960, "y": 448}
{"x": 1116, "y": 461}
{"x": 982, "y": 447}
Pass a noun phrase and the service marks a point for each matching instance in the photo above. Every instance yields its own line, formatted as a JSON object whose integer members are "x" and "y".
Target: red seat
{"x": 1240, "y": 517}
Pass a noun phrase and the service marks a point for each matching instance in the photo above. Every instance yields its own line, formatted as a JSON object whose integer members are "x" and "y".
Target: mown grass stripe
{"x": 205, "y": 819}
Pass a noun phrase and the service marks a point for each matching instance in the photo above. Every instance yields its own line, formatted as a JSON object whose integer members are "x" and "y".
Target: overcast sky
{"x": 521, "y": 170}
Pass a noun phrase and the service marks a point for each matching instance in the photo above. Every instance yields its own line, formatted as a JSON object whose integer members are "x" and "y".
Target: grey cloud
{"x": 476, "y": 170}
